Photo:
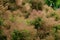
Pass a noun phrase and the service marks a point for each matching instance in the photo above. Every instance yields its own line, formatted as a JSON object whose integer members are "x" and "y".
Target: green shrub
{"x": 26, "y": 14}
{"x": 58, "y": 3}
{"x": 12, "y": 1}
{"x": 12, "y": 7}
{"x": 37, "y": 22}
{"x": 2, "y": 37}
{"x": 55, "y": 29}
{"x": 36, "y": 5}
{"x": 20, "y": 35}
{"x": 0, "y": 31}
{"x": 1, "y": 21}
{"x": 57, "y": 18}
{"x": 53, "y": 3}
{"x": 53, "y": 14}
{"x": 12, "y": 18}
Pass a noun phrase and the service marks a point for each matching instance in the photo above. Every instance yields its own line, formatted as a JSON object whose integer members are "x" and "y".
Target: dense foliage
{"x": 53, "y": 3}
